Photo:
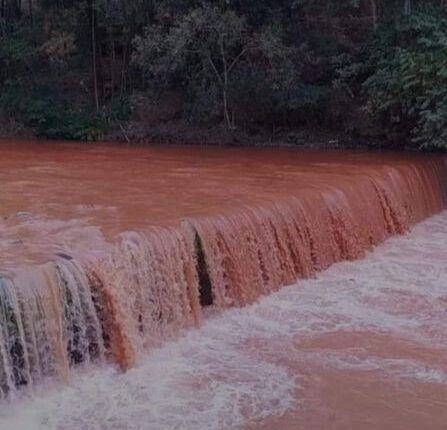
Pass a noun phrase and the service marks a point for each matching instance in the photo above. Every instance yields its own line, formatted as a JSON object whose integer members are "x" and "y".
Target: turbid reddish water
{"x": 69, "y": 198}
{"x": 107, "y": 252}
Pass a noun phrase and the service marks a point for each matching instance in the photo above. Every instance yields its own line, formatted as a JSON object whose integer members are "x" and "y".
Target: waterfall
{"x": 154, "y": 285}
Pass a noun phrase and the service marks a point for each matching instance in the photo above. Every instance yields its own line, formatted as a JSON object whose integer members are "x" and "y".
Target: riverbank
{"x": 180, "y": 133}
{"x": 219, "y": 135}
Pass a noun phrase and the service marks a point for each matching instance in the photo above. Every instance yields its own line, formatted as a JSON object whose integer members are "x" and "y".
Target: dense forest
{"x": 374, "y": 71}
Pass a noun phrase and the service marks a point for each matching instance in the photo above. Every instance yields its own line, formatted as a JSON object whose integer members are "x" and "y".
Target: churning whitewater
{"x": 371, "y": 333}
{"x": 109, "y": 253}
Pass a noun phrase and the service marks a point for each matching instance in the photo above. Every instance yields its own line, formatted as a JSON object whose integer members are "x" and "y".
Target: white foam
{"x": 397, "y": 368}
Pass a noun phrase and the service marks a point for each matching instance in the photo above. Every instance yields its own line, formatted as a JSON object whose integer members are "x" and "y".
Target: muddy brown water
{"x": 107, "y": 252}
{"x": 56, "y": 196}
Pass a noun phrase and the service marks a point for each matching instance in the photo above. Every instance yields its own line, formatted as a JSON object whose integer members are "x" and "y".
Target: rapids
{"x": 107, "y": 252}
{"x": 363, "y": 346}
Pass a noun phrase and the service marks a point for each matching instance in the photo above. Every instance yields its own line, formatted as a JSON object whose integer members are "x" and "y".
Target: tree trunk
{"x": 30, "y": 11}
{"x": 124, "y": 67}
{"x": 407, "y": 7}
{"x": 19, "y": 8}
{"x": 374, "y": 14}
{"x": 225, "y": 107}
{"x": 94, "y": 59}
{"x": 225, "y": 86}
{"x": 112, "y": 63}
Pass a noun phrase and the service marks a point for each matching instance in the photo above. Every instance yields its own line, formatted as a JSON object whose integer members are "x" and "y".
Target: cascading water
{"x": 66, "y": 301}
{"x": 49, "y": 321}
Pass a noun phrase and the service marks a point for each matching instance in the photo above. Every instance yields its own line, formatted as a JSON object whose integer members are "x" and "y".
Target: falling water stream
{"x": 167, "y": 263}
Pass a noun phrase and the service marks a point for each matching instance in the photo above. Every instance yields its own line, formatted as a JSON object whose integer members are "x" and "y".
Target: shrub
{"x": 407, "y": 81}
{"x": 51, "y": 117}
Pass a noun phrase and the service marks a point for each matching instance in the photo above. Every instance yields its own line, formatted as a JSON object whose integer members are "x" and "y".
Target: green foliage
{"x": 408, "y": 77}
{"x": 16, "y": 55}
{"x": 15, "y": 49}
{"x": 120, "y": 110}
{"x": 192, "y": 54}
{"x": 249, "y": 64}
{"x": 56, "y": 119}
{"x": 51, "y": 117}
{"x": 58, "y": 47}
{"x": 208, "y": 51}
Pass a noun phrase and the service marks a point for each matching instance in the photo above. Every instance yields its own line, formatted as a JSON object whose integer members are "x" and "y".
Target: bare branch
{"x": 235, "y": 61}
{"x": 216, "y": 72}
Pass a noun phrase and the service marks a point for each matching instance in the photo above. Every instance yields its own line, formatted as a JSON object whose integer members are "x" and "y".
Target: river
{"x": 167, "y": 263}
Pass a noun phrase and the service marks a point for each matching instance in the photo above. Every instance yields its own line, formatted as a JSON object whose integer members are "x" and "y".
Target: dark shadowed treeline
{"x": 85, "y": 69}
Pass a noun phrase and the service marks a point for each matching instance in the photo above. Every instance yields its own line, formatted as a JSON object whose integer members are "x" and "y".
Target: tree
{"x": 247, "y": 63}
{"x": 408, "y": 77}
{"x": 206, "y": 46}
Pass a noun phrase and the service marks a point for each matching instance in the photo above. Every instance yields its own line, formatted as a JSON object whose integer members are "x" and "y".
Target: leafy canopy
{"x": 408, "y": 76}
